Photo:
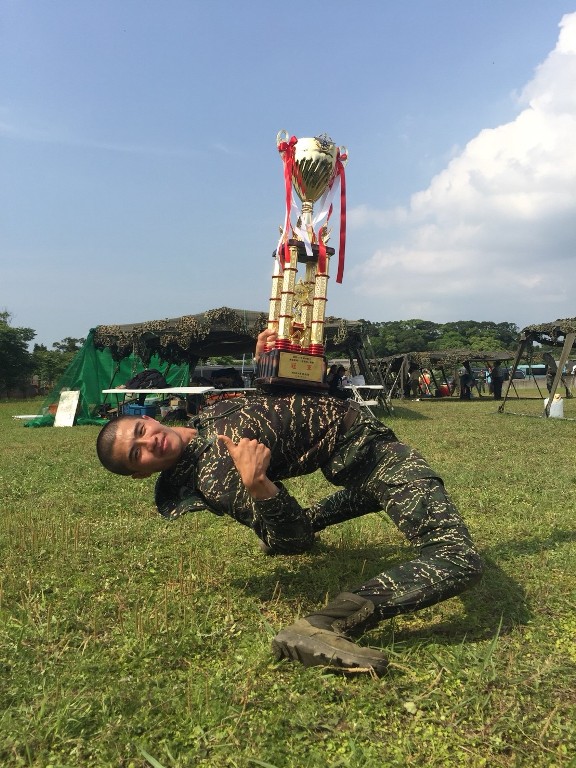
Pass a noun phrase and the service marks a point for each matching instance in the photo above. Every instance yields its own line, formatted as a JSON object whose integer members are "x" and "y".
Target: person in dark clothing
{"x": 497, "y": 376}
{"x": 148, "y": 379}
{"x": 335, "y": 380}
{"x": 233, "y": 460}
{"x": 332, "y": 373}
{"x": 466, "y": 382}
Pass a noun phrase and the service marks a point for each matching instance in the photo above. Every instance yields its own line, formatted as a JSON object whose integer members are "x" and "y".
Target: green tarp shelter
{"x": 95, "y": 368}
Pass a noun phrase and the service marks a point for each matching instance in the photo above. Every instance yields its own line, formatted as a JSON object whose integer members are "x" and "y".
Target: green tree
{"x": 399, "y": 336}
{"x": 68, "y": 345}
{"x": 484, "y": 342}
{"x": 16, "y": 363}
{"x": 508, "y": 334}
{"x": 451, "y": 339}
{"x": 50, "y": 364}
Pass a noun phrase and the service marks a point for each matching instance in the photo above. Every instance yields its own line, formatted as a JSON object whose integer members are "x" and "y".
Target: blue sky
{"x": 139, "y": 175}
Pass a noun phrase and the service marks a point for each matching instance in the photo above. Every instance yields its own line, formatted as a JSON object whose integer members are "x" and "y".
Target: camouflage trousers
{"x": 446, "y": 562}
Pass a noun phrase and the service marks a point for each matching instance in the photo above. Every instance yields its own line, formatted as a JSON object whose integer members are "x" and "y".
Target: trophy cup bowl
{"x": 314, "y": 164}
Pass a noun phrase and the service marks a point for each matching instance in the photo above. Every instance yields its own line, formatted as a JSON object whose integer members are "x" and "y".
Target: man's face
{"x": 145, "y": 446}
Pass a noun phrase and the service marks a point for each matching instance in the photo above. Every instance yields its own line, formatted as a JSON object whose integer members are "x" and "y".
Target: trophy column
{"x": 285, "y": 319}
{"x": 319, "y": 311}
{"x": 308, "y": 302}
{"x": 274, "y": 307}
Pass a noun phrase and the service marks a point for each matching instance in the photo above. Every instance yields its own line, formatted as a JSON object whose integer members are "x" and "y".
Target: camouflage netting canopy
{"x": 550, "y": 334}
{"x": 444, "y": 358}
{"x": 393, "y": 371}
{"x": 559, "y": 333}
{"x": 217, "y": 332}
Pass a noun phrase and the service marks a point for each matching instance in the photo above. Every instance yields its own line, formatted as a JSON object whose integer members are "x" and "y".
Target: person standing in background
{"x": 497, "y": 376}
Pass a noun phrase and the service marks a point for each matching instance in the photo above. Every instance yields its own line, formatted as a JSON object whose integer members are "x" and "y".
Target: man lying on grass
{"x": 233, "y": 461}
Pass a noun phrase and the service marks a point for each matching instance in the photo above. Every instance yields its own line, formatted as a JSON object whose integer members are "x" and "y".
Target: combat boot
{"x": 322, "y": 639}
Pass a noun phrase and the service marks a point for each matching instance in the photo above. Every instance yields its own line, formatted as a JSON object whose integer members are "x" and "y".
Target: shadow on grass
{"x": 499, "y": 602}
{"x": 509, "y": 549}
{"x": 401, "y": 412}
{"x": 495, "y": 606}
{"x": 327, "y": 569}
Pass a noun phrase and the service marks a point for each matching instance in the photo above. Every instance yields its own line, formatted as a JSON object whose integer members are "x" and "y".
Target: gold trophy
{"x": 315, "y": 168}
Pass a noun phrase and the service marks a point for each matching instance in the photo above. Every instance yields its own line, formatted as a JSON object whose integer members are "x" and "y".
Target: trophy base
{"x": 291, "y": 370}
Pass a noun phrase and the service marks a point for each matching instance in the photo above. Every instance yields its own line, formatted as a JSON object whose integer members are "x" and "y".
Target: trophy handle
{"x": 282, "y": 135}
{"x": 343, "y": 154}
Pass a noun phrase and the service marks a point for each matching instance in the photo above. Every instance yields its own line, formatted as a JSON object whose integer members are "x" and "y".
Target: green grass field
{"x": 127, "y": 641}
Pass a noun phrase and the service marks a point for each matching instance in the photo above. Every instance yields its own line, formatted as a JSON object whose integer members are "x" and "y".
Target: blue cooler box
{"x": 133, "y": 409}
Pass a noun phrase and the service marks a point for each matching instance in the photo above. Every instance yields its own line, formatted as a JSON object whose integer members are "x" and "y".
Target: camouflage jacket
{"x": 304, "y": 433}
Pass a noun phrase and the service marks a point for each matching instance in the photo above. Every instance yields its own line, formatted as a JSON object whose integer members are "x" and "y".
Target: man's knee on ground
{"x": 467, "y": 564}
{"x": 454, "y": 555}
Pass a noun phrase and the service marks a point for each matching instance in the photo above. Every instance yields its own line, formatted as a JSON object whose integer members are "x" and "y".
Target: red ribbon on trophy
{"x": 326, "y": 206}
{"x": 287, "y": 150}
{"x": 340, "y": 160}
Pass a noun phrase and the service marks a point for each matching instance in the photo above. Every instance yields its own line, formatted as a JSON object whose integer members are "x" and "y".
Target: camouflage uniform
{"x": 310, "y": 432}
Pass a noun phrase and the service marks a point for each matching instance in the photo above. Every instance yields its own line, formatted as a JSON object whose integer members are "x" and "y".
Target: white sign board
{"x": 67, "y": 407}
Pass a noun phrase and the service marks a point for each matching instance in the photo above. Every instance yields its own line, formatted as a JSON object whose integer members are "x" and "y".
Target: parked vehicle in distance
{"x": 518, "y": 374}
{"x": 532, "y": 370}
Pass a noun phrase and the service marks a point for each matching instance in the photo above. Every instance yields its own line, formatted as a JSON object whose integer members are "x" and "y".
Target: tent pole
{"x": 519, "y": 353}
{"x": 386, "y": 378}
{"x": 404, "y": 370}
{"x": 566, "y": 349}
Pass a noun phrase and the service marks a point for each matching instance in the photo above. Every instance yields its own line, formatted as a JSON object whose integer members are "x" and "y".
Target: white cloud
{"x": 494, "y": 234}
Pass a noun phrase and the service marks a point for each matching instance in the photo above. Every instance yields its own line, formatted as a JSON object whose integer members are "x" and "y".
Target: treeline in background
{"x": 400, "y": 336}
